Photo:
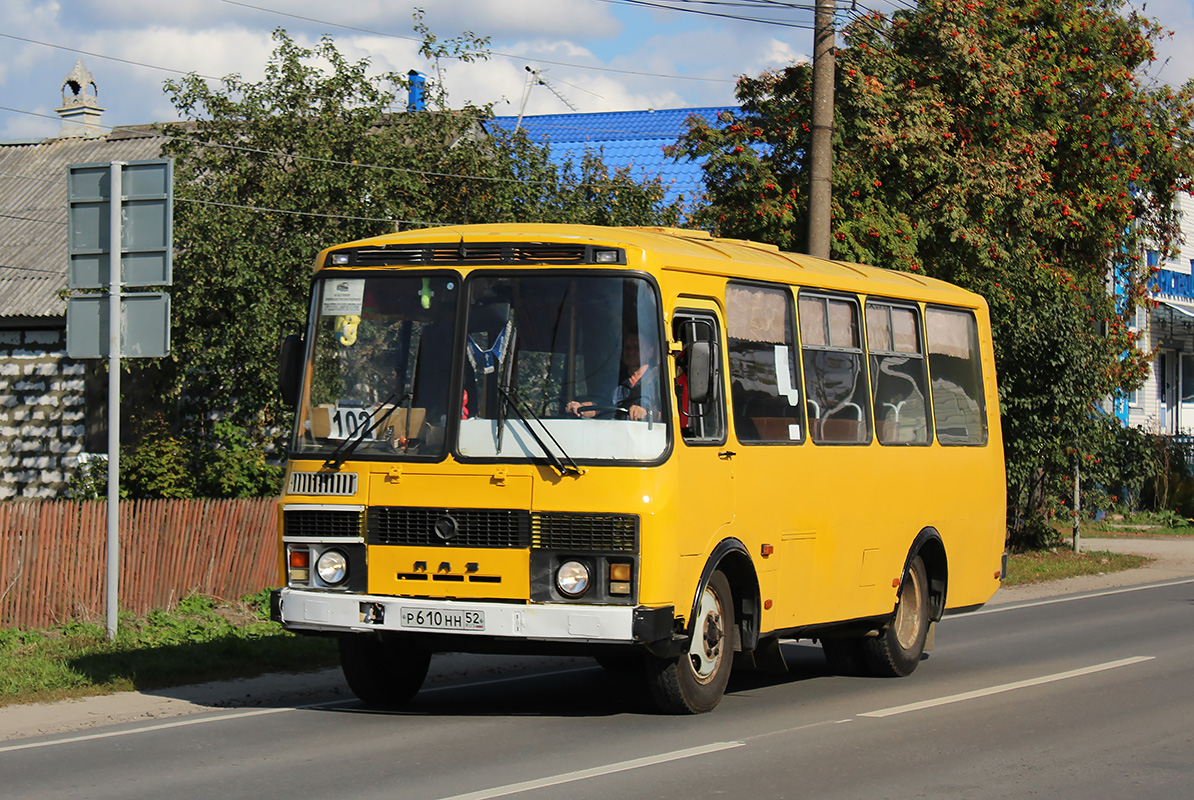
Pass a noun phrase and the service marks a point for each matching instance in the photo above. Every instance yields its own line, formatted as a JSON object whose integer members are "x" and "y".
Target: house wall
{"x": 42, "y": 424}
{"x": 1165, "y": 404}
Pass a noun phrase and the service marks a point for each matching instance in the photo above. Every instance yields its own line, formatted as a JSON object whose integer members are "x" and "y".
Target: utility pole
{"x": 1077, "y": 503}
{"x": 821, "y": 149}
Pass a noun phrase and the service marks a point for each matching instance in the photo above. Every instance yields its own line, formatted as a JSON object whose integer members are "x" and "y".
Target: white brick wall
{"x": 41, "y": 414}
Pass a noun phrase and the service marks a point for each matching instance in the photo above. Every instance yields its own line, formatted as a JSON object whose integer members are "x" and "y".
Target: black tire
{"x": 845, "y": 656}
{"x": 694, "y": 682}
{"x": 383, "y": 673}
{"x": 897, "y": 650}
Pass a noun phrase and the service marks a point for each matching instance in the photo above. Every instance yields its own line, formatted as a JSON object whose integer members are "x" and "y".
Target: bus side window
{"x": 702, "y": 422}
{"x": 899, "y": 384}
{"x": 956, "y": 370}
{"x": 835, "y": 375}
{"x": 764, "y": 370}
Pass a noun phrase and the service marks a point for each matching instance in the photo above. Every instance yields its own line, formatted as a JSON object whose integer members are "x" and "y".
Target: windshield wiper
{"x": 363, "y": 429}
{"x": 504, "y": 377}
{"x": 570, "y": 468}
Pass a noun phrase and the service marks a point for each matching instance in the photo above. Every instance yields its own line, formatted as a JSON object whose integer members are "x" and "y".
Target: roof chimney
{"x": 80, "y": 110}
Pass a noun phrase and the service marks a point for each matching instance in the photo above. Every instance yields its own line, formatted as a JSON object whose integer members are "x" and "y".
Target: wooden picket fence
{"x": 53, "y": 555}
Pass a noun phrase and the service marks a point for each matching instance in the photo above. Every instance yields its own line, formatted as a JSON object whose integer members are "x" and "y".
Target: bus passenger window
{"x": 701, "y": 422}
{"x": 898, "y": 378}
{"x": 764, "y": 371}
{"x": 958, "y": 409}
{"x": 834, "y": 373}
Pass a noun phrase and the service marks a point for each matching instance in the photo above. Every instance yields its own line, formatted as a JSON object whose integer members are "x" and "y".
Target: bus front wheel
{"x": 694, "y": 682}
{"x": 897, "y": 650}
{"x": 383, "y": 672}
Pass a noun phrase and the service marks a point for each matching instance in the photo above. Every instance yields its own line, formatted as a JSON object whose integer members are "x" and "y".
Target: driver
{"x": 637, "y": 395}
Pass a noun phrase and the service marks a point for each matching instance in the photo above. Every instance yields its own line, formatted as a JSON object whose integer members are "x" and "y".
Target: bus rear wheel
{"x": 694, "y": 682}
{"x": 846, "y": 656}
{"x": 383, "y": 673}
{"x": 896, "y": 651}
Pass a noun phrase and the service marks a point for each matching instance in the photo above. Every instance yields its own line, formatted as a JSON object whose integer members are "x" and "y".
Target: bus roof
{"x": 687, "y": 250}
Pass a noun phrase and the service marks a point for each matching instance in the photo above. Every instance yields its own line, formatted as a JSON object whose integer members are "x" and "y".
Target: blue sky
{"x": 610, "y": 54}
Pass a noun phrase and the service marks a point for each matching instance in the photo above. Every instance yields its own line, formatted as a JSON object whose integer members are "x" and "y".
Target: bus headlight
{"x": 572, "y": 579}
{"x": 332, "y": 567}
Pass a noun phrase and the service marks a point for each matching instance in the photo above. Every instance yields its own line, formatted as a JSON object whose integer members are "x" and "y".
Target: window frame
{"x": 681, "y": 317}
{"x": 890, "y": 303}
{"x": 984, "y": 411}
{"x": 792, "y": 326}
{"x": 866, "y": 415}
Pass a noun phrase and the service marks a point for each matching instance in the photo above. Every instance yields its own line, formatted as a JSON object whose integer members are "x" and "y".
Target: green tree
{"x": 268, "y": 173}
{"x": 1013, "y": 148}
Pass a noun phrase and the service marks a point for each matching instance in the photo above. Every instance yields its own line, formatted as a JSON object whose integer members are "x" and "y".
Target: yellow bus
{"x": 661, "y": 449}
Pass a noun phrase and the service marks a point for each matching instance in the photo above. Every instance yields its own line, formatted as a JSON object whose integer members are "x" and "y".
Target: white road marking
{"x": 1066, "y": 599}
{"x": 1006, "y": 687}
{"x": 87, "y": 737}
{"x": 261, "y": 712}
{"x": 595, "y": 772}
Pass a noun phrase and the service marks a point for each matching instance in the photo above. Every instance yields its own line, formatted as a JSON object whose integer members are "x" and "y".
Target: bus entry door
{"x": 705, "y": 463}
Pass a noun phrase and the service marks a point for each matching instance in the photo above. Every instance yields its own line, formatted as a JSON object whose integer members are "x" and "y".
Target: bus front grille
{"x": 557, "y": 531}
{"x": 323, "y": 483}
{"x": 321, "y": 523}
{"x": 449, "y": 527}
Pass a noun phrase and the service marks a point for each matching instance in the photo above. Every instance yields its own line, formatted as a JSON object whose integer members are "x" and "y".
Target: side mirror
{"x": 290, "y": 365}
{"x": 699, "y": 361}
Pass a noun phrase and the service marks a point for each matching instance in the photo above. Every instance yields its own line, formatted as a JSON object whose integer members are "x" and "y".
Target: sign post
{"x": 114, "y": 236}
{"x": 119, "y": 214}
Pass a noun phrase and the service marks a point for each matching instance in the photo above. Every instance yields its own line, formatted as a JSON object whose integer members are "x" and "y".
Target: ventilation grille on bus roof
{"x": 475, "y": 253}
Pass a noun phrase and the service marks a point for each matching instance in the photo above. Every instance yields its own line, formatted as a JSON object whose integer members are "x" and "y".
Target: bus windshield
{"x": 552, "y": 367}
{"x": 563, "y": 366}
{"x": 380, "y": 366}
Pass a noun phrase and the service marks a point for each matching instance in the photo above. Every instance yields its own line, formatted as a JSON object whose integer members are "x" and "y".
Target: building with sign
{"x": 1165, "y": 404}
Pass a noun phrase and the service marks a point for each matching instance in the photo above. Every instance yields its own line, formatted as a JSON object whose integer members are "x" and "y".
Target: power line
{"x": 27, "y": 177}
{"x": 34, "y": 269}
{"x": 34, "y": 219}
{"x": 707, "y": 13}
{"x": 234, "y": 2}
{"x": 536, "y": 60}
{"x": 316, "y": 159}
{"x": 101, "y": 55}
{"x": 264, "y": 209}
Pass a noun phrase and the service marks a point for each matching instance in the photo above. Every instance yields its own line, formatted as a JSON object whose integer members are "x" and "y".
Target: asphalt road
{"x": 1076, "y": 695}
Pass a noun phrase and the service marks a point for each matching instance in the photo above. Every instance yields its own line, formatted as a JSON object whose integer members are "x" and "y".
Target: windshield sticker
{"x": 343, "y": 297}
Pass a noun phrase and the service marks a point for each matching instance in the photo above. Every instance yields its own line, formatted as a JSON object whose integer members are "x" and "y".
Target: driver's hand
{"x": 574, "y": 408}
{"x": 636, "y": 413}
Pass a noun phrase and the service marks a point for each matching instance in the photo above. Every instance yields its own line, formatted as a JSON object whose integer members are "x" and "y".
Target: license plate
{"x": 438, "y": 620}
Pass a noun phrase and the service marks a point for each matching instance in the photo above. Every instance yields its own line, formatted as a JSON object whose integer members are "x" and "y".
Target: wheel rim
{"x": 708, "y": 637}
{"x": 908, "y": 614}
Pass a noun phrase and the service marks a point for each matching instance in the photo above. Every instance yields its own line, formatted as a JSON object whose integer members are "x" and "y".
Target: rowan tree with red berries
{"x": 1014, "y": 148}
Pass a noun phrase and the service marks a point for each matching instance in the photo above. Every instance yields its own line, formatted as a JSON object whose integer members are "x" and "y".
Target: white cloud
{"x": 650, "y": 58}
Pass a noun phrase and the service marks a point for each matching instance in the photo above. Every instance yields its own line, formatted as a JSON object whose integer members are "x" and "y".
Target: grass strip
{"x": 1049, "y": 565}
{"x": 201, "y": 640}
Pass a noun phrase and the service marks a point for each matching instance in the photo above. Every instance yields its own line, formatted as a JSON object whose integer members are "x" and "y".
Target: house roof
{"x": 33, "y": 213}
{"x": 625, "y": 139}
